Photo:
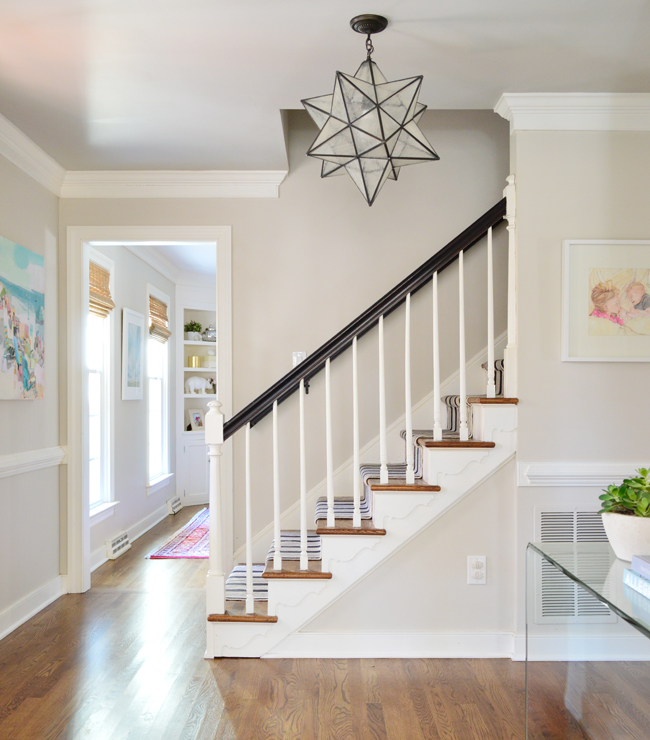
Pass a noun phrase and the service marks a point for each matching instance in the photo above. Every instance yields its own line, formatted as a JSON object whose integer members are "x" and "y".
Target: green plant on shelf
{"x": 192, "y": 326}
{"x": 632, "y": 497}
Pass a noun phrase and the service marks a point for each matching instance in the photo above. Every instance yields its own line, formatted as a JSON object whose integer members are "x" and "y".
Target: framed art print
{"x": 132, "y": 355}
{"x": 197, "y": 421}
{"x": 606, "y": 301}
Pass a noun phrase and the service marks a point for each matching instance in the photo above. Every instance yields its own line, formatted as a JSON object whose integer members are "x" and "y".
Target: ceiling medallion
{"x": 368, "y": 126}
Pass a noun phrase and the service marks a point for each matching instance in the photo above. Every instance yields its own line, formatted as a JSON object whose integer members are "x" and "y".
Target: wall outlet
{"x": 476, "y": 570}
{"x": 298, "y": 357}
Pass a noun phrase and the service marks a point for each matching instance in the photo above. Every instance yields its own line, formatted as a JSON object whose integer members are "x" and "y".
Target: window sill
{"x": 156, "y": 484}
{"x": 102, "y": 511}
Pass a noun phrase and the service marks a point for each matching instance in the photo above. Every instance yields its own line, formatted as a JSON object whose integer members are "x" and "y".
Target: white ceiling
{"x": 199, "y": 84}
{"x": 201, "y": 258}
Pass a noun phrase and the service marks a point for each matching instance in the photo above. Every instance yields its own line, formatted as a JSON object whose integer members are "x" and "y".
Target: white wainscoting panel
{"x": 585, "y": 474}
{"x": 24, "y": 462}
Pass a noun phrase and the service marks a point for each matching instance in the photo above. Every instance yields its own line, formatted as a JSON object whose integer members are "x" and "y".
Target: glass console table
{"x": 587, "y": 646}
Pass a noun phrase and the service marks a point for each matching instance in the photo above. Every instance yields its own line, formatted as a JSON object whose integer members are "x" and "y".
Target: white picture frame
{"x": 132, "y": 355}
{"x": 602, "y": 268}
{"x": 197, "y": 420}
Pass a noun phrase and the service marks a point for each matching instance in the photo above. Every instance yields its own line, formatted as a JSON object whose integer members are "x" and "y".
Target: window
{"x": 98, "y": 359}
{"x": 157, "y": 391}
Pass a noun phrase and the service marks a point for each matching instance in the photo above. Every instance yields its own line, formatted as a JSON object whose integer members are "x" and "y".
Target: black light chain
{"x": 369, "y": 47}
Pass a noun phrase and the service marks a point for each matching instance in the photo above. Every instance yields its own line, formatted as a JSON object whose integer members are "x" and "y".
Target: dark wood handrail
{"x": 315, "y": 362}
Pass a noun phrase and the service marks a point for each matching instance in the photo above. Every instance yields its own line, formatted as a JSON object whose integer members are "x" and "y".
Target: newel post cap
{"x": 214, "y": 424}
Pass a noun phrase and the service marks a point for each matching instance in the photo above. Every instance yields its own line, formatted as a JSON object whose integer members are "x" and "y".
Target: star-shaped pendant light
{"x": 368, "y": 126}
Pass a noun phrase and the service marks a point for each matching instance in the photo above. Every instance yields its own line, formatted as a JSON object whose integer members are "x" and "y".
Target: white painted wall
{"x": 29, "y": 525}
{"x": 130, "y": 277}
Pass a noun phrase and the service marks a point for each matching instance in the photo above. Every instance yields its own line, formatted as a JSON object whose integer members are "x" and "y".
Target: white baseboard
{"x": 18, "y": 613}
{"x": 98, "y": 557}
{"x": 391, "y": 645}
{"x": 588, "y": 647}
{"x": 196, "y": 499}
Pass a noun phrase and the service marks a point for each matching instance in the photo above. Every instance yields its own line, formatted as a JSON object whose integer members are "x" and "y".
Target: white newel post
{"x": 250, "y": 597}
{"x": 277, "y": 534}
{"x": 462, "y": 403}
{"x": 304, "y": 557}
{"x": 410, "y": 476}
{"x": 215, "y": 580}
{"x": 510, "y": 353}
{"x": 491, "y": 389}
{"x": 356, "y": 454}
{"x": 329, "y": 454}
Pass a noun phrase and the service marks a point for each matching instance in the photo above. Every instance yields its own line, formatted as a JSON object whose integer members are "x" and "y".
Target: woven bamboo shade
{"x": 158, "y": 321}
{"x": 101, "y": 303}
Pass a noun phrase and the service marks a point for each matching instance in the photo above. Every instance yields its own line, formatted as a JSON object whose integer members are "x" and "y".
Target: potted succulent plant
{"x": 626, "y": 516}
{"x": 193, "y": 331}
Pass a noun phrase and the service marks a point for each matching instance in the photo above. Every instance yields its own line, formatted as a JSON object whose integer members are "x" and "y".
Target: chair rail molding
{"x": 575, "y": 111}
{"x": 173, "y": 184}
{"x": 566, "y": 474}
{"x": 24, "y": 462}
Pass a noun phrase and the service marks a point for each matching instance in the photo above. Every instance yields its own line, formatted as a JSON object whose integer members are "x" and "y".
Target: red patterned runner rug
{"x": 192, "y": 541}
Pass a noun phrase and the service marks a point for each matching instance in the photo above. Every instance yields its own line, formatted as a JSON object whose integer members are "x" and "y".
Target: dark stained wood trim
{"x": 398, "y": 484}
{"x": 344, "y": 526}
{"x": 456, "y": 444}
{"x": 291, "y": 569}
{"x": 236, "y": 612}
{"x": 490, "y": 401}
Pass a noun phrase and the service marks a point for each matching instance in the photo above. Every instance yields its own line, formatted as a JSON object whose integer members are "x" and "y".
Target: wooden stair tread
{"x": 399, "y": 484}
{"x": 456, "y": 444}
{"x": 489, "y": 401}
{"x": 236, "y": 612}
{"x": 344, "y": 526}
{"x": 291, "y": 569}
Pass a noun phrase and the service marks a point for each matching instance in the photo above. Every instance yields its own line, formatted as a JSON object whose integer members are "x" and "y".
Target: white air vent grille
{"x": 559, "y": 599}
{"x": 117, "y": 546}
{"x": 174, "y": 505}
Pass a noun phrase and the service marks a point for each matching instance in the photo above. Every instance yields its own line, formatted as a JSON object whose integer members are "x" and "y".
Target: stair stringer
{"x": 351, "y": 558}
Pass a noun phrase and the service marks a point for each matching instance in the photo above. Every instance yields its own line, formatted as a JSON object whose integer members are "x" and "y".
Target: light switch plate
{"x": 298, "y": 357}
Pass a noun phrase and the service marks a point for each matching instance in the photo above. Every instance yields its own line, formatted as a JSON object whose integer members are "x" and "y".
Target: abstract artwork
{"x": 606, "y": 314}
{"x": 22, "y": 318}
{"x": 132, "y": 355}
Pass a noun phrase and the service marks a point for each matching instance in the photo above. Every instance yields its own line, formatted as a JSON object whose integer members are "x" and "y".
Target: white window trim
{"x": 108, "y": 431}
{"x": 155, "y": 484}
{"x": 102, "y": 511}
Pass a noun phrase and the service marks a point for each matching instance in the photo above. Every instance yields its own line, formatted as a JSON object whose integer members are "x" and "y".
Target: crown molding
{"x": 575, "y": 111}
{"x": 586, "y": 474}
{"x": 173, "y": 184}
{"x": 24, "y": 153}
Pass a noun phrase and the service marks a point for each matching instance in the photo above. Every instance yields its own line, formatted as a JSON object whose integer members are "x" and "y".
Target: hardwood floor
{"x": 125, "y": 660}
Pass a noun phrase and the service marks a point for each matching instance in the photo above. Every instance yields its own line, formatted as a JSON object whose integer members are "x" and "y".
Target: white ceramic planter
{"x": 628, "y": 535}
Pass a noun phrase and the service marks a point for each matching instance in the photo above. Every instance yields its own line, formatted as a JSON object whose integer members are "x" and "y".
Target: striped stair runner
{"x": 290, "y": 546}
{"x": 236, "y": 583}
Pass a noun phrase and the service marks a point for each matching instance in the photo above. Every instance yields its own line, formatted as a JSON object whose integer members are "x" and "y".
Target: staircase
{"x": 256, "y": 610}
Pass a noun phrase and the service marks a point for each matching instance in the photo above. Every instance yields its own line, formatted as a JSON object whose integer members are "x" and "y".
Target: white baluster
{"x": 510, "y": 354}
{"x": 277, "y": 535}
{"x": 464, "y": 431}
{"x": 215, "y": 580}
{"x": 410, "y": 475}
{"x": 490, "y": 319}
{"x": 356, "y": 472}
{"x": 383, "y": 454}
{"x": 437, "y": 426}
{"x": 328, "y": 445}
{"x": 250, "y": 600}
{"x": 304, "y": 560}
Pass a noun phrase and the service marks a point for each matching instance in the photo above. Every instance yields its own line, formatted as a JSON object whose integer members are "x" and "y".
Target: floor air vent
{"x": 117, "y": 546}
{"x": 558, "y": 599}
{"x": 174, "y": 505}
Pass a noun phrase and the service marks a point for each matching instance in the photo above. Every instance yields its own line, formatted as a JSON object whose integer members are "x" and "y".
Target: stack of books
{"x": 636, "y": 582}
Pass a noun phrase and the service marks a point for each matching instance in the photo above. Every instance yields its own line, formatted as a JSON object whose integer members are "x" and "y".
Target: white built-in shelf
{"x": 199, "y": 344}
{"x": 199, "y": 395}
{"x": 201, "y": 369}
